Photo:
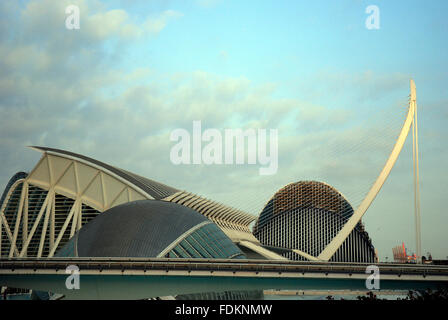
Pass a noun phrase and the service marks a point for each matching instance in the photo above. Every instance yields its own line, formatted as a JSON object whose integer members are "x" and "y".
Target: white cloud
{"x": 157, "y": 24}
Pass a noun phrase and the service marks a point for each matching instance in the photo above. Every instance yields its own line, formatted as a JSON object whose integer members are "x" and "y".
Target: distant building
{"x": 401, "y": 256}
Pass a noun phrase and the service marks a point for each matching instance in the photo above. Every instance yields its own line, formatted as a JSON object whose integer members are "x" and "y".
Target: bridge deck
{"x": 136, "y": 278}
{"x": 142, "y": 264}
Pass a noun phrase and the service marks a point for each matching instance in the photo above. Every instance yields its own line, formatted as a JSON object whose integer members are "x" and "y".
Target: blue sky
{"x": 281, "y": 41}
{"x": 336, "y": 91}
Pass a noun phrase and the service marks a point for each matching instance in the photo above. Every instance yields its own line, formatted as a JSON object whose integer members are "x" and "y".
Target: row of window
{"x": 206, "y": 242}
{"x": 310, "y": 230}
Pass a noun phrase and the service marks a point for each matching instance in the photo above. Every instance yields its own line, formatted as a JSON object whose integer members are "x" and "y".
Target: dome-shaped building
{"x": 155, "y": 228}
{"x": 151, "y": 228}
{"x": 304, "y": 217}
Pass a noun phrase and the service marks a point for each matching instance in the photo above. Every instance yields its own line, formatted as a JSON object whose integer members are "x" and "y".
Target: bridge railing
{"x": 213, "y": 265}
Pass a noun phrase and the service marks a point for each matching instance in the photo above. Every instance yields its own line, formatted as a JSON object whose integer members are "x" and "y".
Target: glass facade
{"x": 306, "y": 216}
{"x": 68, "y": 250}
{"x": 206, "y": 242}
{"x": 35, "y": 200}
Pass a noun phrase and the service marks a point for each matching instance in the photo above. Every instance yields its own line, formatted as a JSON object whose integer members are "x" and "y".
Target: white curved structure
{"x": 42, "y": 210}
{"x": 63, "y": 192}
{"x": 331, "y": 248}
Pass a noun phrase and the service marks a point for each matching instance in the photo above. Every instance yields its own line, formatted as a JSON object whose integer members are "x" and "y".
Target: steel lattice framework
{"x": 42, "y": 210}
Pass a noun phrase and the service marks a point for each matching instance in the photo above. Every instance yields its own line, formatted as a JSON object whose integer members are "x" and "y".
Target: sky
{"x": 337, "y": 93}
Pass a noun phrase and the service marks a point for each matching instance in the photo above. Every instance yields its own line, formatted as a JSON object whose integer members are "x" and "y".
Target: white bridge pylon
{"x": 411, "y": 119}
